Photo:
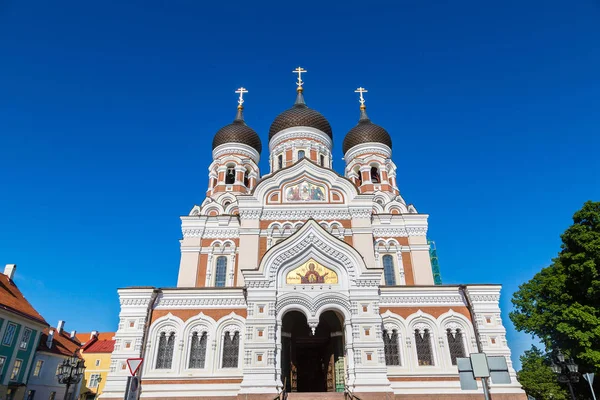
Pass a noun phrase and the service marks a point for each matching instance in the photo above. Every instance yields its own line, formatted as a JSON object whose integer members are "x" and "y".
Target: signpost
{"x": 479, "y": 365}
{"x": 132, "y": 389}
{"x": 589, "y": 377}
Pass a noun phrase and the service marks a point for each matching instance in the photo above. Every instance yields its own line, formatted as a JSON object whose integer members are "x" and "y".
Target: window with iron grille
{"x": 221, "y": 271}
{"x": 198, "y": 350}
{"x": 391, "y": 348}
{"x": 164, "y": 357}
{"x": 455, "y": 344}
{"x": 424, "y": 352}
{"x": 388, "y": 270}
{"x": 231, "y": 345}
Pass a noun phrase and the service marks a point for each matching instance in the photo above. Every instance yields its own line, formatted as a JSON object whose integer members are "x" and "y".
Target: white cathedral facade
{"x": 305, "y": 279}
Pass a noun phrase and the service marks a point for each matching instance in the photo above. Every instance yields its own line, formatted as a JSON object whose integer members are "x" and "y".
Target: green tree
{"x": 561, "y": 303}
{"x": 537, "y": 378}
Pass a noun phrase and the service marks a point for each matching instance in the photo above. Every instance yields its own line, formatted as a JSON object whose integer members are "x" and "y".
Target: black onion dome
{"x": 366, "y": 131}
{"x": 237, "y": 132}
{"x": 300, "y": 115}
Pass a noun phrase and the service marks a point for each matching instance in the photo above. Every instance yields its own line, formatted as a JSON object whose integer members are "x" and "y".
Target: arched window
{"x": 247, "y": 179}
{"x": 391, "y": 348}
{"x": 221, "y": 271}
{"x": 198, "y": 350}
{"x": 230, "y": 175}
{"x": 322, "y": 160}
{"x": 300, "y": 154}
{"x": 375, "y": 175}
{"x": 455, "y": 344}
{"x": 164, "y": 356}
{"x": 388, "y": 270}
{"x": 231, "y": 346}
{"x": 280, "y": 161}
{"x": 424, "y": 352}
{"x": 359, "y": 179}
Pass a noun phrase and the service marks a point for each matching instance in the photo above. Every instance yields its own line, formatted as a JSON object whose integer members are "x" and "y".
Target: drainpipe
{"x": 463, "y": 291}
{"x": 151, "y": 305}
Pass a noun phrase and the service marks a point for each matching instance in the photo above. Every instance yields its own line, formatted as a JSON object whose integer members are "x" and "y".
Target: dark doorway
{"x": 308, "y": 362}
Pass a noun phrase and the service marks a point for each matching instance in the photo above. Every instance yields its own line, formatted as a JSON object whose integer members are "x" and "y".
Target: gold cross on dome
{"x": 299, "y": 71}
{"x": 241, "y": 91}
{"x": 361, "y": 90}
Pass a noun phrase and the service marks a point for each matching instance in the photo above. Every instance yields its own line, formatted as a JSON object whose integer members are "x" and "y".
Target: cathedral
{"x": 302, "y": 279}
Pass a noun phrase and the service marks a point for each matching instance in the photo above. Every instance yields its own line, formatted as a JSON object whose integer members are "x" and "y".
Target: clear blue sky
{"x": 108, "y": 109}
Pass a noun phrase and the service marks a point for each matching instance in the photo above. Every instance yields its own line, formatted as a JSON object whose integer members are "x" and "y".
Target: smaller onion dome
{"x": 238, "y": 132}
{"x": 300, "y": 115}
{"x": 364, "y": 132}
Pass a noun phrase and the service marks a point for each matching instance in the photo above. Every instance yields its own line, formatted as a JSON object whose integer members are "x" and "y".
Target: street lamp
{"x": 70, "y": 372}
{"x": 566, "y": 370}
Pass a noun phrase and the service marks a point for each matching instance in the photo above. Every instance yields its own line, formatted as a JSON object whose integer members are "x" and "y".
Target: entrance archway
{"x": 312, "y": 362}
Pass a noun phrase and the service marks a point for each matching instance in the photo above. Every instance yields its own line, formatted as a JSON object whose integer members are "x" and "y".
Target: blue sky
{"x": 107, "y": 112}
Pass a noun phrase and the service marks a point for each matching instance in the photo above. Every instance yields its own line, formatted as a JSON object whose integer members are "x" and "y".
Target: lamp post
{"x": 566, "y": 371}
{"x": 70, "y": 372}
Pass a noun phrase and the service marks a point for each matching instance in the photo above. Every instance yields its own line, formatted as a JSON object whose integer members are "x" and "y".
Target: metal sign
{"x": 480, "y": 365}
{"x": 134, "y": 364}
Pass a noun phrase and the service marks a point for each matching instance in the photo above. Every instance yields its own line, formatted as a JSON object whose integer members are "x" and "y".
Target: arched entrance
{"x": 312, "y": 362}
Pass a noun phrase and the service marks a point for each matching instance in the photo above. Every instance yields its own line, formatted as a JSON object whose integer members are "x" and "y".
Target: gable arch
{"x": 311, "y": 241}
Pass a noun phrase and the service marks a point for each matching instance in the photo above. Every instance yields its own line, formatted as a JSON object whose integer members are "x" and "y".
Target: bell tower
{"x": 236, "y": 153}
{"x": 368, "y": 154}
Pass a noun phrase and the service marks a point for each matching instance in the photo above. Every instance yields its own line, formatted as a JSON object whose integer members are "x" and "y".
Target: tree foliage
{"x": 537, "y": 378}
{"x": 561, "y": 303}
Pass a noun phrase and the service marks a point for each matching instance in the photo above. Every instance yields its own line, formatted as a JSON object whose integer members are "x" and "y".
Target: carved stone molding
{"x": 299, "y": 214}
{"x": 200, "y": 302}
{"x": 399, "y": 231}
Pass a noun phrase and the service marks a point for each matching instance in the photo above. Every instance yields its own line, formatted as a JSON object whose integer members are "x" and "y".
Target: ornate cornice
{"x": 421, "y": 300}
{"x": 237, "y": 148}
{"x": 192, "y": 302}
{"x": 367, "y": 148}
{"x": 316, "y": 213}
{"x": 400, "y": 231}
{"x": 299, "y": 133}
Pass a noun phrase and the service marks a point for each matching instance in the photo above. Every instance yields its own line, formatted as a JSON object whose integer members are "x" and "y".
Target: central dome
{"x": 300, "y": 115}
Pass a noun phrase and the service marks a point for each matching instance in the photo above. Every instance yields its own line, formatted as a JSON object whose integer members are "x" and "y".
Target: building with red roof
{"x": 21, "y": 328}
{"x": 96, "y": 351}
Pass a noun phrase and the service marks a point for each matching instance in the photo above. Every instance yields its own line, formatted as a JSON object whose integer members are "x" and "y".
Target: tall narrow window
{"x": 423, "y": 341}
{"x": 166, "y": 344}
{"x": 300, "y": 154}
{"x": 375, "y": 175}
{"x": 198, "y": 350}
{"x": 391, "y": 349}
{"x": 16, "y": 370}
{"x": 455, "y": 344}
{"x": 246, "y": 179}
{"x": 388, "y": 270}
{"x": 322, "y": 160}
{"x": 280, "y": 161}
{"x": 230, "y": 175}
{"x": 359, "y": 178}
{"x": 221, "y": 271}
{"x": 231, "y": 345}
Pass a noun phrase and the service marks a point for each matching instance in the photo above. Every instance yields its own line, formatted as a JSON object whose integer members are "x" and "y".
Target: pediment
{"x": 305, "y": 183}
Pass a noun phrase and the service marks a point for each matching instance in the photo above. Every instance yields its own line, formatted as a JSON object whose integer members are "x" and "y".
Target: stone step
{"x": 316, "y": 396}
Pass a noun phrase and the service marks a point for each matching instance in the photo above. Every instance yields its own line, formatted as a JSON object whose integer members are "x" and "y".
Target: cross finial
{"x": 241, "y": 91}
{"x": 299, "y": 71}
{"x": 361, "y": 90}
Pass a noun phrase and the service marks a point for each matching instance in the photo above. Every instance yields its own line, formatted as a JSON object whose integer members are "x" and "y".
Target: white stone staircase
{"x": 316, "y": 396}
